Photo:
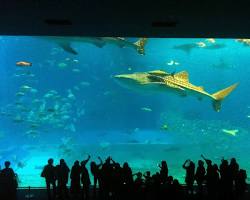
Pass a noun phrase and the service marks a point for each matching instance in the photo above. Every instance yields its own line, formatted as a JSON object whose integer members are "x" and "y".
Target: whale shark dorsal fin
{"x": 182, "y": 75}
{"x": 158, "y": 73}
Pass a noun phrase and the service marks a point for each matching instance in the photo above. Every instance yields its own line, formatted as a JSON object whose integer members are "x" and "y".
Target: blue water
{"x": 101, "y": 118}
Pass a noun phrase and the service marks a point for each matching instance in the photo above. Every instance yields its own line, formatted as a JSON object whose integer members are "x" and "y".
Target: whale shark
{"x": 66, "y": 42}
{"x": 177, "y": 83}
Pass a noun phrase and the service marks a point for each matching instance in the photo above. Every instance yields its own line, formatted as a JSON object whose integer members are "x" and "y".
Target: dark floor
{"x": 40, "y": 194}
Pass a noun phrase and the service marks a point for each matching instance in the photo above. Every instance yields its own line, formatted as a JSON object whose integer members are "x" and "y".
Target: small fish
{"x": 76, "y": 70}
{"x": 16, "y": 75}
{"x": 76, "y": 88}
{"x": 231, "y": 132}
{"x": 23, "y": 64}
{"x": 164, "y": 127}
{"x": 25, "y": 88}
{"x": 34, "y": 125}
{"x": 172, "y": 62}
{"x": 48, "y": 95}
{"x": 146, "y": 109}
{"x": 248, "y": 116}
{"x": 36, "y": 101}
{"x": 85, "y": 84}
{"x": 19, "y": 94}
{"x": 71, "y": 95}
{"x": 32, "y": 133}
{"x": 53, "y": 92}
{"x": 106, "y": 93}
{"x": 62, "y": 65}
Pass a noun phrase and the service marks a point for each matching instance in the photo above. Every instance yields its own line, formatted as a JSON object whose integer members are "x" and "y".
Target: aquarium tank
{"x": 139, "y": 100}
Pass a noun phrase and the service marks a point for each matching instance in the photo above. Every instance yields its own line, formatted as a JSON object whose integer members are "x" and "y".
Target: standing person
{"x": 49, "y": 173}
{"x": 189, "y": 166}
{"x": 233, "y": 173}
{"x": 127, "y": 181}
{"x": 200, "y": 176}
{"x": 240, "y": 184}
{"x": 163, "y": 171}
{"x": 62, "y": 175}
{"x": 215, "y": 180}
{"x": 225, "y": 180}
{"x": 9, "y": 182}
{"x": 95, "y": 171}
{"x": 209, "y": 176}
{"x": 85, "y": 179}
{"x": 75, "y": 175}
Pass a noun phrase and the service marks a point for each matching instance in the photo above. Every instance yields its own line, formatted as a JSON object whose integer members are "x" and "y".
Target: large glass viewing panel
{"x": 139, "y": 100}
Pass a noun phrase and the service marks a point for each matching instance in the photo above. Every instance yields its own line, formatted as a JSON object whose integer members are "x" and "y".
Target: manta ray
{"x": 177, "y": 83}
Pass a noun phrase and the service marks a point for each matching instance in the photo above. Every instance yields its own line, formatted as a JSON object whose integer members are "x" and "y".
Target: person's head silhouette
{"x": 7, "y": 164}
{"x": 50, "y": 161}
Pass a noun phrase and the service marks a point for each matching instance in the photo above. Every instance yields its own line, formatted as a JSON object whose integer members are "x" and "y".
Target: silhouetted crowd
{"x": 111, "y": 181}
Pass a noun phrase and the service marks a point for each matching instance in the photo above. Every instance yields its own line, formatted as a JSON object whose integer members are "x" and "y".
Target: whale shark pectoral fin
{"x": 66, "y": 46}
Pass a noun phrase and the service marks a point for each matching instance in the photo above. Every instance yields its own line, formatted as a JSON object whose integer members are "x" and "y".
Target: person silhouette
{"x": 233, "y": 172}
{"x": 240, "y": 184}
{"x": 9, "y": 182}
{"x": 215, "y": 183}
{"x": 75, "y": 177}
{"x": 95, "y": 171}
{"x": 189, "y": 166}
{"x": 126, "y": 181}
{"x": 62, "y": 176}
{"x": 200, "y": 176}
{"x": 85, "y": 179}
{"x": 163, "y": 171}
{"x": 138, "y": 186}
{"x": 49, "y": 173}
{"x": 225, "y": 180}
{"x": 209, "y": 176}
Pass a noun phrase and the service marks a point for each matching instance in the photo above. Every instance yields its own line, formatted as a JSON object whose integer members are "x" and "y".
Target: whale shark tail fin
{"x": 220, "y": 95}
{"x": 140, "y": 45}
